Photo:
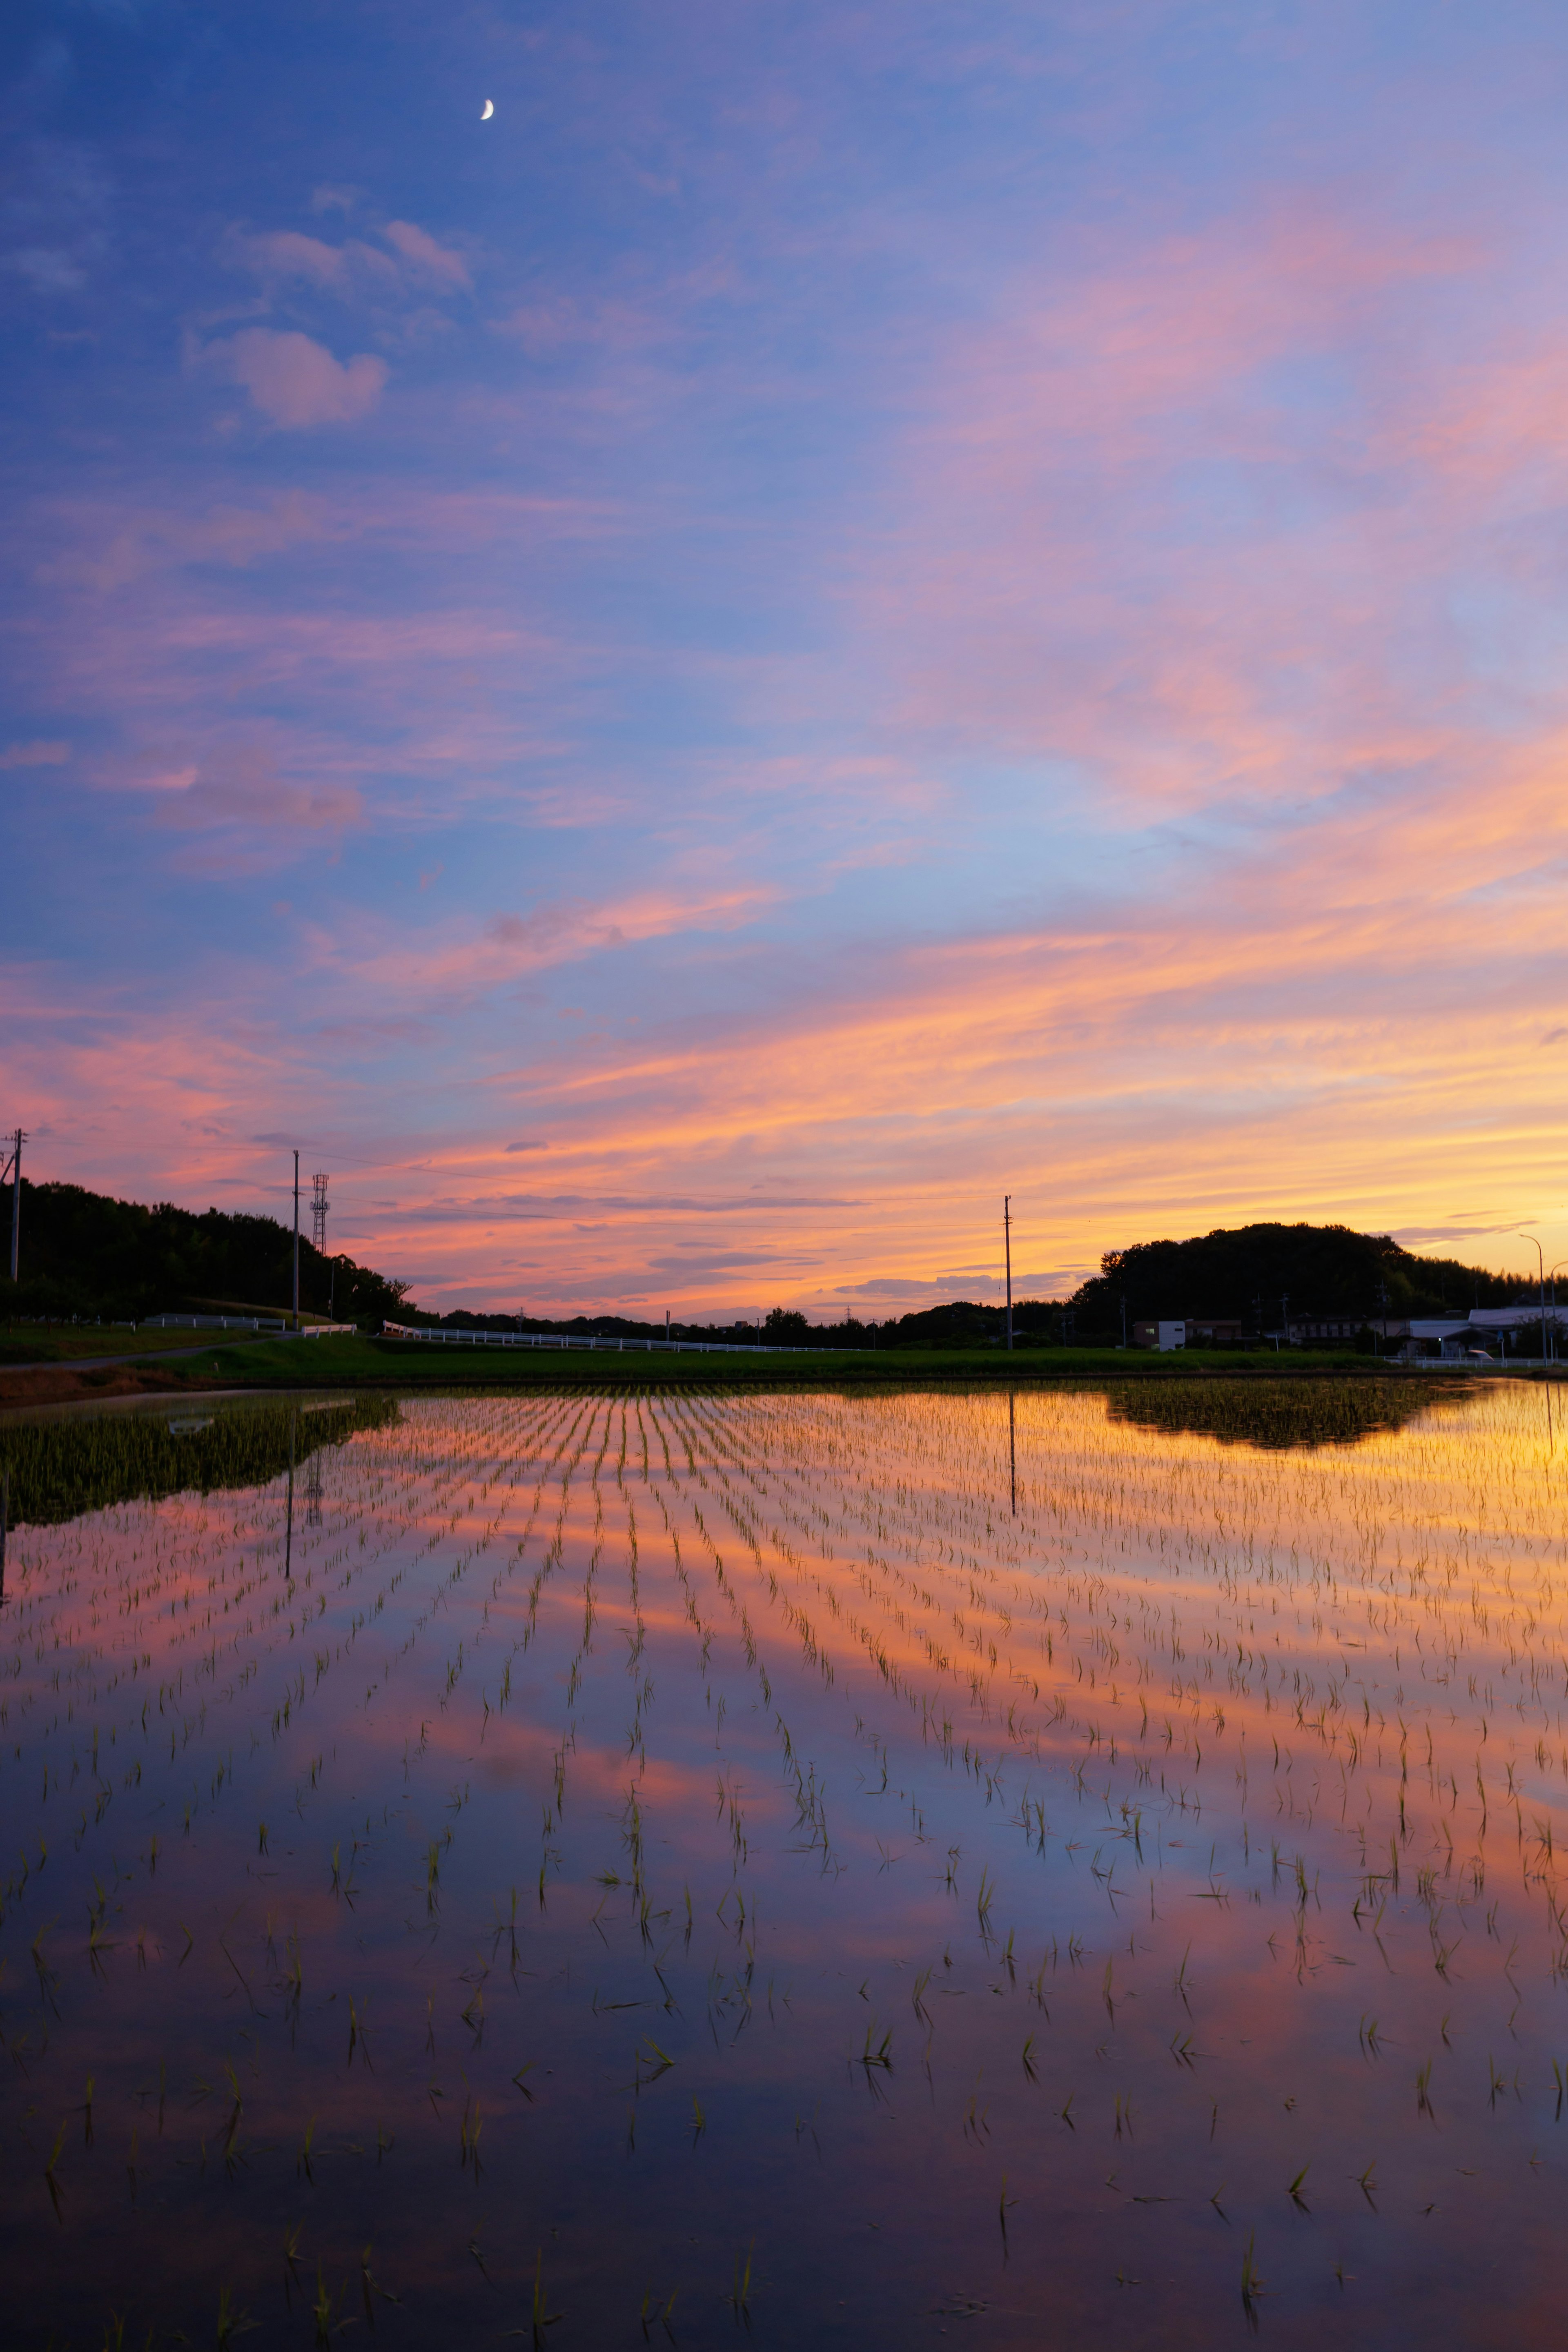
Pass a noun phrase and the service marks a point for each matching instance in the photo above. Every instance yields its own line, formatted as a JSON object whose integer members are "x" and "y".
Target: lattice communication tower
{"x": 320, "y": 1204}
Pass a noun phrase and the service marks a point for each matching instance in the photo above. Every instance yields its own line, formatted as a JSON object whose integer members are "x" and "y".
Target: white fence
{"x": 211, "y": 1323}
{"x": 618, "y": 1345}
{"x": 240, "y": 1323}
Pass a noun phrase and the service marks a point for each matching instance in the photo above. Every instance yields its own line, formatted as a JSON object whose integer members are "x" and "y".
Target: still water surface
{"x": 856, "y": 1872}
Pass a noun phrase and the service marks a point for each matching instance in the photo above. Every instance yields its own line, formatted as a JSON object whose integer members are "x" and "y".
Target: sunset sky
{"x": 840, "y": 610}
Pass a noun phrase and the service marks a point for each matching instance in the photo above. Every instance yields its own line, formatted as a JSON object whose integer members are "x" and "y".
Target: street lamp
{"x": 1552, "y": 1278}
{"x": 1541, "y": 1257}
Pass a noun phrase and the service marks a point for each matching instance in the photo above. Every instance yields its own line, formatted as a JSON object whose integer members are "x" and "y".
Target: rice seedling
{"x": 232, "y": 2323}
{"x": 541, "y": 2317}
{"x": 1251, "y": 2284}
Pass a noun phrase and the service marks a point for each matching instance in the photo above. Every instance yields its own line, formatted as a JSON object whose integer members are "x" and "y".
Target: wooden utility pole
{"x": 296, "y": 1241}
{"x": 15, "y": 1164}
{"x": 1007, "y": 1245}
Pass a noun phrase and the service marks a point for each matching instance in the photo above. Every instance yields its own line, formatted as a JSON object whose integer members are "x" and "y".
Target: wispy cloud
{"x": 42, "y": 754}
{"x": 978, "y": 632}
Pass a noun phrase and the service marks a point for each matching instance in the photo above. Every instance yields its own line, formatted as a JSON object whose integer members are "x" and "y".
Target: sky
{"x": 839, "y": 611}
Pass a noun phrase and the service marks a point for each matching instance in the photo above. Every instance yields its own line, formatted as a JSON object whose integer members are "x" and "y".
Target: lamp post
{"x": 1540, "y": 1260}
{"x": 1552, "y": 1278}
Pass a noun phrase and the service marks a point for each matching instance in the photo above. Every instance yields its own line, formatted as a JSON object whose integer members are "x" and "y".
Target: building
{"x": 1188, "y": 1331}
{"x": 1160, "y": 1335}
{"x": 1215, "y": 1330}
{"x": 1494, "y": 1331}
{"x": 1316, "y": 1329}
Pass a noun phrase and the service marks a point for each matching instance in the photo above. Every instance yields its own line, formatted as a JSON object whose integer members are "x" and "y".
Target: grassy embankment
{"x": 364, "y": 1361}
{"x": 68, "y": 1343}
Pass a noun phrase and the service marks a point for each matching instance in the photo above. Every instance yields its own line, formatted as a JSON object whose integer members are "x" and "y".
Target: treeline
{"x": 961, "y": 1324}
{"x": 781, "y": 1327}
{"x": 1243, "y": 1274}
{"x": 85, "y": 1254}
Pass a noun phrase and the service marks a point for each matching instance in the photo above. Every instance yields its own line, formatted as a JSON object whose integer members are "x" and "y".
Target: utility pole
{"x": 296, "y": 1252}
{"x": 1007, "y": 1241}
{"x": 14, "y": 1165}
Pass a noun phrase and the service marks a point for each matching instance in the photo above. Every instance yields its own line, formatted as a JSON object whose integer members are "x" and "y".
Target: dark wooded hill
{"x": 85, "y": 1254}
{"x": 1247, "y": 1271}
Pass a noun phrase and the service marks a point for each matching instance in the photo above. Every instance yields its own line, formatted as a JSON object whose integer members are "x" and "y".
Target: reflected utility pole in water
{"x": 289, "y": 1535}
{"x": 1013, "y": 1449}
{"x": 1007, "y": 1245}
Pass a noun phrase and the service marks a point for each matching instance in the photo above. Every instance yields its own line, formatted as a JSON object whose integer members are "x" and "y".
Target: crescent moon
{"x": 489, "y": 109}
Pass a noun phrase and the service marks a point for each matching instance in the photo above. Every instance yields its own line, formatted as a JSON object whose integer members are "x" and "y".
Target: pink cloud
{"x": 1117, "y": 534}
{"x": 297, "y": 382}
{"x": 39, "y": 754}
{"x": 467, "y": 962}
{"x": 352, "y": 268}
{"x": 243, "y": 788}
{"x": 285, "y": 253}
{"x": 420, "y": 250}
{"x": 235, "y": 789}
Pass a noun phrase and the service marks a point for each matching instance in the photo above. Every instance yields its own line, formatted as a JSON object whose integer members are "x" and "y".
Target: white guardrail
{"x": 619, "y": 1343}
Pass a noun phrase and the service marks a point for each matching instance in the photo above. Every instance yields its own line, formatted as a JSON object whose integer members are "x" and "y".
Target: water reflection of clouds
{"x": 744, "y": 1734}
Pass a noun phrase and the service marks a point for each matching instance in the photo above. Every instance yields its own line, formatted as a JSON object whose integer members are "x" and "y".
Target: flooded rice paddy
{"x": 1077, "y": 1870}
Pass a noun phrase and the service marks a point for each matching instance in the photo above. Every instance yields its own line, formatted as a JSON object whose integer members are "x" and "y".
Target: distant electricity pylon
{"x": 13, "y": 1168}
{"x": 320, "y": 1204}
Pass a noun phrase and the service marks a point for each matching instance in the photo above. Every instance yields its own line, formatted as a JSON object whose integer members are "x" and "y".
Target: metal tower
{"x": 320, "y": 1204}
